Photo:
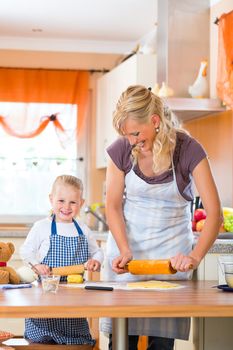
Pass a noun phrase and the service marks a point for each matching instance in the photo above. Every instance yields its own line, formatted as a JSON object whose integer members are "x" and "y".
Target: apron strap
{"x": 54, "y": 227}
{"x": 80, "y": 232}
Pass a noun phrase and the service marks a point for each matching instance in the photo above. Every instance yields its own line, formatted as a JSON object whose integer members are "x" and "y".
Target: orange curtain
{"x": 43, "y": 124}
{"x": 225, "y": 59}
{"x": 47, "y": 86}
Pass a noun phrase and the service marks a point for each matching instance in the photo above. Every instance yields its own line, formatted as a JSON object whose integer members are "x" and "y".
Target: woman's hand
{"x": 184, "y": 263}
{"x": 92, "y": 265}
{"x": 118, "y": 264}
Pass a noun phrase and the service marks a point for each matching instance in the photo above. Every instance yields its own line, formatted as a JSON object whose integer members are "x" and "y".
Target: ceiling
{"x": 102, "y": 26}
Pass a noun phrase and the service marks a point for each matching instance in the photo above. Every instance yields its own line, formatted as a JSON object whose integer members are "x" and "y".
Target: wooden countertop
{"x": 197, "y": 299}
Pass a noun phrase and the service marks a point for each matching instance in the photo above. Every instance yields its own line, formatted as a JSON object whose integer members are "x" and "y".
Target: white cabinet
{"x": 209, "y": 333}
{"x": 138, "y": 69}
{"x": 215, "y": 333}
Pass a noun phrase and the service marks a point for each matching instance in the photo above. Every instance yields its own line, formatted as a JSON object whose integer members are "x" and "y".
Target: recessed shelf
{"x": 192, "y": 108}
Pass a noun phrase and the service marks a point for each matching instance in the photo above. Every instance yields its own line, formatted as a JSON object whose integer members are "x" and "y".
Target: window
{"x": 28, "y": 166}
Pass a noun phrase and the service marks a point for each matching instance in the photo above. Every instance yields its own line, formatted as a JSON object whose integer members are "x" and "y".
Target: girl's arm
{"x": 115, "y": 183}
{"x": 210, "y": 199}
{"x": 95, "y": 252}
{"x": 29, "y": 249}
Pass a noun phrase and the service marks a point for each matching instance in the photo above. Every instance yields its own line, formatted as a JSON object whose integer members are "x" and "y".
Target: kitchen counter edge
{"x": 220, "y": 246}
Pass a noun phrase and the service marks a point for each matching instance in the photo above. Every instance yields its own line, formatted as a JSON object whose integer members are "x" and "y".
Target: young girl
{"x": 56, "y": 241}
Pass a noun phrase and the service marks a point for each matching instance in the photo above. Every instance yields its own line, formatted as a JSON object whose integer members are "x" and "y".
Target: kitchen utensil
{"x": 67, "y": 270}
{"x": 150, "y": 267}
{"x": 225, "y": 264}
{"x": 228, "y": 269}
{"x": 98, "y": 288}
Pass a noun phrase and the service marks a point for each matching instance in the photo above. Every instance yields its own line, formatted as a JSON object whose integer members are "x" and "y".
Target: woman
{"x": 149, "y": 194}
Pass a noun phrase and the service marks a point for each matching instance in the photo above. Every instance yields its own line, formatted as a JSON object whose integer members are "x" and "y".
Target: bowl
{"x": 224, "y": 260}
{"x": 50, "y": 283}
{"x": 228, "y": 269}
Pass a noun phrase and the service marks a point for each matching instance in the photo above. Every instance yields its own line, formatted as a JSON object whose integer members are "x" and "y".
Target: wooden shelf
{"x": 192, "y": 108}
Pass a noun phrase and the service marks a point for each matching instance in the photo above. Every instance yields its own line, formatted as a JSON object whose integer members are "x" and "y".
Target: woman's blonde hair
{"x": 68, "y": 180}
{"x": 139, "y": 104}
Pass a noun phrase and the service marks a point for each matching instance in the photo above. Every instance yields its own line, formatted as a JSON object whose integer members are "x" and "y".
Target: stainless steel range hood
{"x": 183, "y": 41}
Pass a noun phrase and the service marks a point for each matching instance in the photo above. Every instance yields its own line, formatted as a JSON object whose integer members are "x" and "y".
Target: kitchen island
{"x": 204, "y": 329}
{"x": 196, "y": 299}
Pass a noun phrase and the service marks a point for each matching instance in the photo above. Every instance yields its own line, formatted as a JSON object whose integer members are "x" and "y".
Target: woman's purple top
{"x": 188, "y": 153}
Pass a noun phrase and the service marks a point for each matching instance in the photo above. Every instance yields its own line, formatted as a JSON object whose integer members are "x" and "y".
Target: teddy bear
{"x": 7, "y": 273}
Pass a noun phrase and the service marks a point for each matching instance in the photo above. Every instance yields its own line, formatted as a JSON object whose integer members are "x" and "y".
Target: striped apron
{"x": 63, "y": 251}
{"x": 158, "y": 225}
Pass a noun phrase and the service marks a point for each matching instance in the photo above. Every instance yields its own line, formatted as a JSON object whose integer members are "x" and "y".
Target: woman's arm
{"x": 209, "y": 196}
{"x": 115, "y": 183}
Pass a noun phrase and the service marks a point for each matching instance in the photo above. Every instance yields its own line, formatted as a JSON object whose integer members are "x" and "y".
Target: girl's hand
{"x": 118, "y": 264}
{"x": 42, "y": 269}
{"x": 184, "y": 263}
{"x": 92, "y": 265}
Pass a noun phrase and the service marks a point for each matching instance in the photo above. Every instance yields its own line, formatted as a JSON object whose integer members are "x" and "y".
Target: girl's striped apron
{"x": 63, "y": 251}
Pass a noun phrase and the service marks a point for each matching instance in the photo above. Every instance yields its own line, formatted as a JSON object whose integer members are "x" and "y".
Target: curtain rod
{"x": 83, "y": 70}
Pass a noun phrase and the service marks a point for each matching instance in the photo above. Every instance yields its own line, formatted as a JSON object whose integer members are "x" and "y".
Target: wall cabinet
{"x": 138, "y": 69}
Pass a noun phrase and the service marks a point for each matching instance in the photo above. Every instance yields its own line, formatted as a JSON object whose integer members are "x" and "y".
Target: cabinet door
{"x": 109, "y": 89}
{"x": 217, "y": 332}
{"x": 139, "y": 69}
{"x": 102, "y": 113}
{"x": 192, "y": 343}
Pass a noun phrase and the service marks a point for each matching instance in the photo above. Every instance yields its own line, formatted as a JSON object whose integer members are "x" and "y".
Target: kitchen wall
{"x": 215, "y": 133}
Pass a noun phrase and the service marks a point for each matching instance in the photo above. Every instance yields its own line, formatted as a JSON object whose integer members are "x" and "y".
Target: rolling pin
{"x": 150, "y": 267}
{"x": 67, "y": 270}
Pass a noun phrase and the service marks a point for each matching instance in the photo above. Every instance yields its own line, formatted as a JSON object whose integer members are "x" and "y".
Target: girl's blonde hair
{"x": 68, "y": 180}
{"x": 139, "y": 104}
